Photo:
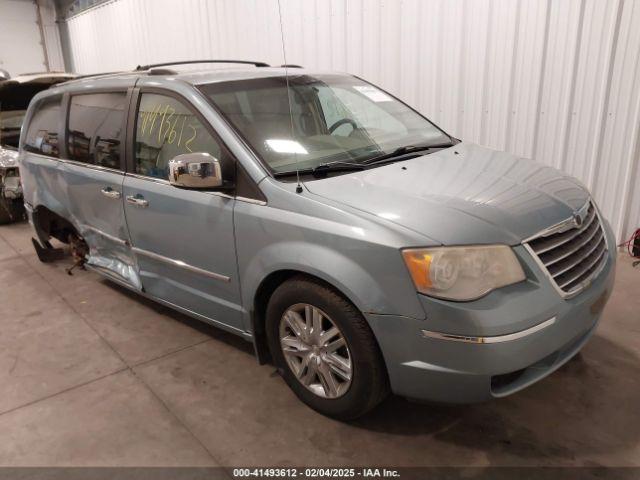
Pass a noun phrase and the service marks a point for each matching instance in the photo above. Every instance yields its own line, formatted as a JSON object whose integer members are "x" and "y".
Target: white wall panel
{"x": 51, "y": 35}
{"x": 20, "y": 40}
{"x": 556, "y": 80}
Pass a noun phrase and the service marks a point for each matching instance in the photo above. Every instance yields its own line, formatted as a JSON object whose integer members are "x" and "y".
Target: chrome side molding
{"x": 180, "y": 263}
{"x": 494, "y": 339}
{"x": 106, "y": 235}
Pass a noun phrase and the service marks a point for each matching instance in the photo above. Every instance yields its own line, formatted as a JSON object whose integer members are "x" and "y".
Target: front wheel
{"x": 325, "y": 349}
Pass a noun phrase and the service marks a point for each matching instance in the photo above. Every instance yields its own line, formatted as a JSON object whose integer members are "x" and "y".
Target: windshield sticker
{"x": 373, "y": 93}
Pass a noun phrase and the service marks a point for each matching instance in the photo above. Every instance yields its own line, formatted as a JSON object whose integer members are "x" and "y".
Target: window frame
{"x": 125, "y": 119}
{"x": 244, "y": 189}
{"x": 28, "y": 121}
{"x": 132, "y": 128}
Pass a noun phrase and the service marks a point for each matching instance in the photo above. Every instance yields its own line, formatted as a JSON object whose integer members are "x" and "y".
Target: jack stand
{"x": 79, "y": 264}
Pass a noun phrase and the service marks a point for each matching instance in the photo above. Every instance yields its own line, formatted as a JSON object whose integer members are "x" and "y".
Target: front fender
{"x": 364, "y": 267}
{"x": 364, "y": 291}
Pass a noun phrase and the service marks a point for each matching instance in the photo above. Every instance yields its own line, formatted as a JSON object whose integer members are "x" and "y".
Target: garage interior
{"x": 93, "y": 375}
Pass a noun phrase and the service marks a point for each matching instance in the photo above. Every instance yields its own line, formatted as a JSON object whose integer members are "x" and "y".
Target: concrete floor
{"x": 91, "y": 374}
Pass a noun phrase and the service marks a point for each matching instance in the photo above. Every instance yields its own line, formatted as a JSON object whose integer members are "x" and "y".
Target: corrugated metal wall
{"x": 555, "y": 80}
{"x": 24, "y": 46}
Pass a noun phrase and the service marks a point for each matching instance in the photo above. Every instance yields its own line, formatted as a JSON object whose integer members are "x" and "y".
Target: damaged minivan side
{"x": 361, "y": 248}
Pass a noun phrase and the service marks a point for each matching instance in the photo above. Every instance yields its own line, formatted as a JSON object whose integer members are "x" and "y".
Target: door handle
{"x": 137, "y": 200}
{"x": 110, "y": 192}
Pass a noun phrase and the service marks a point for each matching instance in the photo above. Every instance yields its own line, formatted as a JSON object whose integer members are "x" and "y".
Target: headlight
{"x": 462, "y": 273}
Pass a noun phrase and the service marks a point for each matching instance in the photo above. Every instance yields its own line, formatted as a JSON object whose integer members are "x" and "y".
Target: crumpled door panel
{"x": 96, "y": 208}
{"x": 74, "y": 192}
{"x": 112, "y": 258}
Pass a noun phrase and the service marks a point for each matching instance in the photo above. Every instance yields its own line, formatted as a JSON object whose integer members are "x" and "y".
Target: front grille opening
{"x": 574, "y": 256}
{"x": 500, "y": 383}
{"x": 508, "y": 383}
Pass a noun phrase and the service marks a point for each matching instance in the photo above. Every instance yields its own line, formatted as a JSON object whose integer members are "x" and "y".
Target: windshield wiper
{"x": 401, "y": 151}
{"x": 324, "y": 168}
{"x": 341, "y": 165}
{"x": 338, "y": 165}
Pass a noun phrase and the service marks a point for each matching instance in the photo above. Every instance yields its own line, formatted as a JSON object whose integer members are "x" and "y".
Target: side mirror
{"x": 195, "y": 170}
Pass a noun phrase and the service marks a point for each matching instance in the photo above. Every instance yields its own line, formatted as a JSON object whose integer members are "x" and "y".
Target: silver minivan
{"x": 361, "y": 248}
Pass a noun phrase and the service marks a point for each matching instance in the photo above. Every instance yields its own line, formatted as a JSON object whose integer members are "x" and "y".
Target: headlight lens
{"x": 462, "y": 273}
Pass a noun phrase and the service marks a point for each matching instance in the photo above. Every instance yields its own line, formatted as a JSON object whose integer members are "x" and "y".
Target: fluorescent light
{"x": 286, "y": 146}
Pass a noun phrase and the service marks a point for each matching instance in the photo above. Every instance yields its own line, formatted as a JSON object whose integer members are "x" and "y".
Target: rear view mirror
{"x": 195, "y": 170}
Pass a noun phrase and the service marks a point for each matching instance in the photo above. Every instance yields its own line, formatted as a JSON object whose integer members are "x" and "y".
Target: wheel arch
{"x": 48, "y": 223}
{"x": 263, "y": 293}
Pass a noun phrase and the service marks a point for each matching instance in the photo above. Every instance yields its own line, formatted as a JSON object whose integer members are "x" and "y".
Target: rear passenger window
{"x": 42, "y": 134}
{"x": 166, "y": 128}
{"x": 95, "y": 128}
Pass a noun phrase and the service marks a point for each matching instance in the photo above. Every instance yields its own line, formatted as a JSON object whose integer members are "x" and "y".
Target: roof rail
{"x": 92, "y": 75}
{"x": 161, "y": 71}
{"x": 187, "y": 62}
{"x": 154, "y": 70}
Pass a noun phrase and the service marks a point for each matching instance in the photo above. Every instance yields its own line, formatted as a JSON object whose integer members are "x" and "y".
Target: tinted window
{"x": 42, "y": 135}
{"x": 95, "y": 128}
{"x": 166, "y": 128}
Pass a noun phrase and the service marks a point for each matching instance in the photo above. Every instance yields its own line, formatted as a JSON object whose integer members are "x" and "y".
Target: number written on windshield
{"x": 169, "y": 127}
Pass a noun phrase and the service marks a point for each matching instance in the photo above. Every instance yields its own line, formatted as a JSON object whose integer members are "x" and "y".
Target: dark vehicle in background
{"x": 15, "y": 95}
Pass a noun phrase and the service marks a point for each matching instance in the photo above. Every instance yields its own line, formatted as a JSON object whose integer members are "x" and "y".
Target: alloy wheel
{"x": 315, "y": 350}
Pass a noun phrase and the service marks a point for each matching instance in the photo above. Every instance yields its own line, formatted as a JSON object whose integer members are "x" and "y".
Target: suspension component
{"x": 79, "y": 251}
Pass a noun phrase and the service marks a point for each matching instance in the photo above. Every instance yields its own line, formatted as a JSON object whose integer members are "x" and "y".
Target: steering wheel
{"x": 341, "y": 122}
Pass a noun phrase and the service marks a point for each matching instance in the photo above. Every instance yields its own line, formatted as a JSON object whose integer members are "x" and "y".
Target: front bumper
{"x": 455, "y": 370}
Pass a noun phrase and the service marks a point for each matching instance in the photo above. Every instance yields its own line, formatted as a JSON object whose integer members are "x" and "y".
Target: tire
{"x": 347, "y": 396}
{"x": 10, "y": 211}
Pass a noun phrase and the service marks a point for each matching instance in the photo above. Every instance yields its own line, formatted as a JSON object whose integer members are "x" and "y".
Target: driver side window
{"x": 166, "y": 128}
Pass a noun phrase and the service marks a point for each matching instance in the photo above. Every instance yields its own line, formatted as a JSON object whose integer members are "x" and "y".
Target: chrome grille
{"x": 572, "y": 257}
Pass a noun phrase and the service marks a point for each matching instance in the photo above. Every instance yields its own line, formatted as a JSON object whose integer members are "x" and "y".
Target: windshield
{"x": 10, "y": 124}
{"x": 334, "y": 117}
{"x": 14, "y": 100}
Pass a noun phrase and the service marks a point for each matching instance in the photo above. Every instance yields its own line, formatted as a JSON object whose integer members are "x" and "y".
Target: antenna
{"x": 286, "y": 76}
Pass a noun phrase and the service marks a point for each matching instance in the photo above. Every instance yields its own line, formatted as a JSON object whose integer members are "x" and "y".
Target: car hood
{"x": 462, "y": 195}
